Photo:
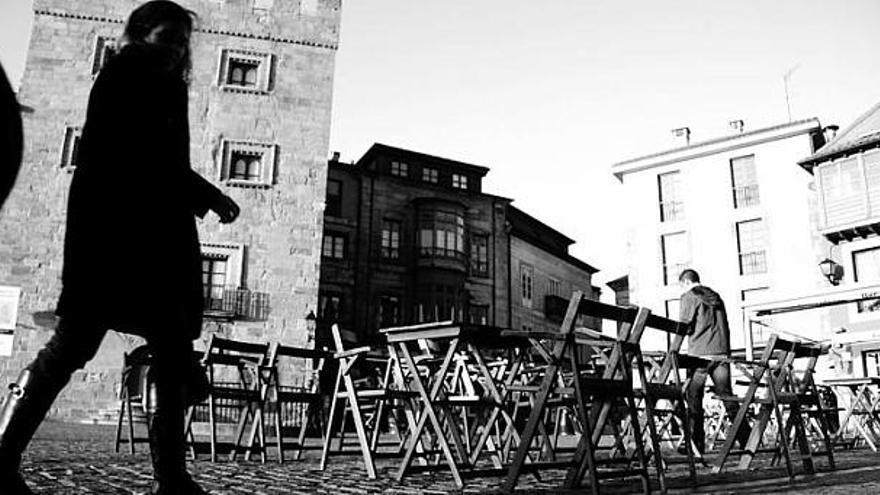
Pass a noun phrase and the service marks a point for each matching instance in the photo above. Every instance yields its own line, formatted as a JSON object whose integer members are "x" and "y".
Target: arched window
{"x": 254, "y": 169}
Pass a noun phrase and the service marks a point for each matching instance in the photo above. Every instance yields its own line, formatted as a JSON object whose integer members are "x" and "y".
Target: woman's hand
{"x": 226, "y": 209}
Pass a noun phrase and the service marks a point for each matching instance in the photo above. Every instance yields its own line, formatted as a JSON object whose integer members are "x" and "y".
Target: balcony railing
{"x": 237, "y": 303}
{"x": 671, "y": 211}
{"x": 746, "y": 196}
{"x": 752, "y": 262}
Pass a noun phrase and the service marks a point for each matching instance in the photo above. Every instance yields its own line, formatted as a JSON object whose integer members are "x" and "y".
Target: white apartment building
{"x": 738, "y": 210}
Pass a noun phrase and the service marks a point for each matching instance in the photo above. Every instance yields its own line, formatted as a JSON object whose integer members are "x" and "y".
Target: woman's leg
{"x": 30, "y": 398}
{"x": 170, "y": 367}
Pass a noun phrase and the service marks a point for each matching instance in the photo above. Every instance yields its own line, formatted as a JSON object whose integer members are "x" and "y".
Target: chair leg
{"x": 359, "y": 428}
{"x": 213, "y": 428}
{"x": 329, "y": 436}
{"x": 119, "y": 424}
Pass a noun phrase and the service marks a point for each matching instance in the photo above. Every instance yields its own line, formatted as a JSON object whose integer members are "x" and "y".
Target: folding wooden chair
{"x": 293, "y": 407}
{"x": 133, "y": 397}
{"x": 808, "y": 402}
{"x": 354, "y": 397}
{"x": 235, "y": 394}
{"x": 664, "y": 390}
{"x": 771, "y": 385}
{"x": 600, "y": 394}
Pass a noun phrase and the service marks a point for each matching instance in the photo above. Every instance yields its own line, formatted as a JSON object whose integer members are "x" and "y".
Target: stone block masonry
{"x": 291, "y": 45}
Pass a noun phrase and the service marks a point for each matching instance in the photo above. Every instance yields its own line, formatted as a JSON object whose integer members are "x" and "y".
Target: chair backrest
{"x": 631, "y": 324}
{"x": 228, "y": 354}
{"x": 677, "y": 331}
{"x": 135, "y": 369}
{"x": 307, "y": 363}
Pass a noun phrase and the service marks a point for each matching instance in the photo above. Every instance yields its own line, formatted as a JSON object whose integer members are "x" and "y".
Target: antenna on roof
{"x": 785, "y": 79}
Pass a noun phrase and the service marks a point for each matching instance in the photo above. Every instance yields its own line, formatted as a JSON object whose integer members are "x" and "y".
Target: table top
{"x": 486, "y": 334}
{"x": 845, "y": 382}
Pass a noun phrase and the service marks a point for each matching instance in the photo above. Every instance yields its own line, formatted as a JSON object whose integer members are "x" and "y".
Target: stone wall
{"x": 280, "y": 225}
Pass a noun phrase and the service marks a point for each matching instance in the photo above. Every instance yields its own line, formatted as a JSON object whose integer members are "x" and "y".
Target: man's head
{"x": 688, "y": 279}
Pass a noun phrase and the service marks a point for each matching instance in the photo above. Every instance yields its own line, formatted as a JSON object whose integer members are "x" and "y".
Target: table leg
{"x": 428, "y": 412}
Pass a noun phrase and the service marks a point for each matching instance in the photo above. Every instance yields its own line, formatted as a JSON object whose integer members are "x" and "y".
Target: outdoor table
{"x": 864, "y": 407}
{"x": 435, "y": 392}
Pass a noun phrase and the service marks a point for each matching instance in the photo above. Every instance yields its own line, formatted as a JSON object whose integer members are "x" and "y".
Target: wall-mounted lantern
{"x": 831, "y": 270}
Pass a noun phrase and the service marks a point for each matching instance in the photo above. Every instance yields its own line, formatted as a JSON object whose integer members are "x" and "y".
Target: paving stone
{"x": 76, "y": 459}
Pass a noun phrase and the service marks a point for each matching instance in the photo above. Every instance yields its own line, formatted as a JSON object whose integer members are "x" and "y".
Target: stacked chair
{"x": 780, "y": 390}
{"x": 235, "y": 393}
{"x": 370, "y": 402}
{"x": 292, "y": 408}
{"x": 133, "y": 397}
{"x": 597, "y": 381}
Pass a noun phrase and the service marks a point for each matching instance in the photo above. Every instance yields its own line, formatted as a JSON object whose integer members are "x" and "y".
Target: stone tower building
{"x": 260, "y": 103}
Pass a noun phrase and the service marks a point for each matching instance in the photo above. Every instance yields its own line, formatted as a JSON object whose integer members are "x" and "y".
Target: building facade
{"x": 260, "y": 101}
{"x": 737, "y": 210}
{"x": 410, "y": 237}
{"x": 846, "y": 172}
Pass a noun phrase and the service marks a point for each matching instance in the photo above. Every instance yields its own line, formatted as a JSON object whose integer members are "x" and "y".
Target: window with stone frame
{"x": 431, "y": 175}
{"x": 399, "y": 169}
{"x": 459, "y": 181}
{"x": 222, "y": 271}
{"x": 105, "y": 49}
{"x": 671, "y": 205}
{"x": 390, "y": 243}
{"x": 480, "y": 255}
{"x": 247, "y": 164}
{"x": 526, "y": 278}
{"x": 744, "y": 181}
{"x": 751, "y": 237}
{"x": 214, "y": 271}
{"x": 333, "y": 246}
{"x": 70, "y": 147}
{"x": 245, "y": 71}
{"x": 389, "y": 311}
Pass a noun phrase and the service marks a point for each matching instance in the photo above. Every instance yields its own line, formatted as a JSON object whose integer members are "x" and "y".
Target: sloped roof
{"x": 863, "y": 133}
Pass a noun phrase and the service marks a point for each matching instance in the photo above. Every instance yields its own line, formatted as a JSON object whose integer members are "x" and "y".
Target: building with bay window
{"x": 409, "y": 237}
{"x": 847, "y": 179}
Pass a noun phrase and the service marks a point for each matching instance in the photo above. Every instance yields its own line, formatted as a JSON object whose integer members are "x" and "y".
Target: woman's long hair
{"x": 148, "y": 16}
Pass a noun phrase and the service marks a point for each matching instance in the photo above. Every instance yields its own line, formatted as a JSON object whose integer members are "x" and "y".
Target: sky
{"x": 549, "y": 94}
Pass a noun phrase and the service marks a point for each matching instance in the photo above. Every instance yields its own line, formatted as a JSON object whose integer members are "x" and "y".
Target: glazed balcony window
{"x": 441, "y": 234}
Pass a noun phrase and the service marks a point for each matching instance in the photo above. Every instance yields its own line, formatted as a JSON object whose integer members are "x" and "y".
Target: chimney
{"x": 829, "y": 132}
{"x": 335, "y": 157}
{"x": 682, "y": 135}
{"x": 737, "y": 125}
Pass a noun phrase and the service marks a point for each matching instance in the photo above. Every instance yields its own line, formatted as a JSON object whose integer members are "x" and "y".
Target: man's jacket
{"x": 703, "y": 310}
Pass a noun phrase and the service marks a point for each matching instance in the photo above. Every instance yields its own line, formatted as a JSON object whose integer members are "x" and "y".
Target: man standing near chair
{"x": 702, "y": 309}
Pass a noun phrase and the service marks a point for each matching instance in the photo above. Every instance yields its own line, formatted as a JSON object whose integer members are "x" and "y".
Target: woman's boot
{"x": 167, "y": 445}
{"x": 27, "y": 404}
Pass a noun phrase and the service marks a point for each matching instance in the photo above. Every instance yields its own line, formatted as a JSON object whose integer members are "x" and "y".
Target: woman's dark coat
{"x": 131, "y": 252}
{"x": 10, "y": 137}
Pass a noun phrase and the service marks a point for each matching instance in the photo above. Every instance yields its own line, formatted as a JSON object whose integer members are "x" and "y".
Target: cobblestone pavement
{"x": 75, "y": 459}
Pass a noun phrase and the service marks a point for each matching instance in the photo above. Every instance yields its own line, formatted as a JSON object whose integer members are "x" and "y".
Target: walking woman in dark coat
{"x": 131, "y": 251}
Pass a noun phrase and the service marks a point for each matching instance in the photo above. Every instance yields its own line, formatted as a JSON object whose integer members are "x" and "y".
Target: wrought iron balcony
{"x": 237, "y": 303}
